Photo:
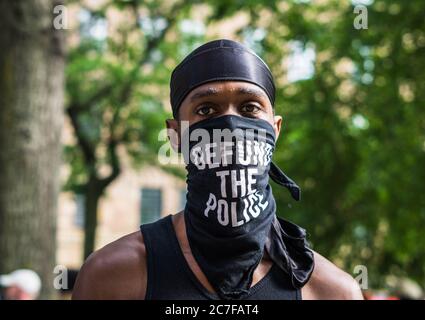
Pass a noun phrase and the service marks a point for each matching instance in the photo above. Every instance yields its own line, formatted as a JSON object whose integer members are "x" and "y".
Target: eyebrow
{"x": 241, "y": 91}
{"x": 204, "y": 93}
{"x": 251, "y": 91}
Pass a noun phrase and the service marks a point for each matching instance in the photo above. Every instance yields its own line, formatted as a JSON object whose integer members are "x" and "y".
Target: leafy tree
{"x": 353, "y": 134}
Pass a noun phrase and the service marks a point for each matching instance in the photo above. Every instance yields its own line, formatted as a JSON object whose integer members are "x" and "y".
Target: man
{"x": 228, "y": 242}
{"x": 22, "y": 284}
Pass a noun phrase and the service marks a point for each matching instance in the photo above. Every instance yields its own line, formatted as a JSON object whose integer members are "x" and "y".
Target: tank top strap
{"x": 167, "y": 276}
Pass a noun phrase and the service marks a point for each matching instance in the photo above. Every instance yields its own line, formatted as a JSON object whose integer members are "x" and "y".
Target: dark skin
{"x": 118, "y": 271}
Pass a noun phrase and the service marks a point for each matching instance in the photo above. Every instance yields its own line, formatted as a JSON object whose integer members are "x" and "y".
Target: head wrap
{"x": 219, "y": 60}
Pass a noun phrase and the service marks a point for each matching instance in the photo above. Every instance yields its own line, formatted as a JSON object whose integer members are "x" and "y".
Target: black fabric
{"x": 230, "y": 213}
{"x": 215, "y": 61}
{"x": 283, "y": 180}
{"x": 169, "y": 277}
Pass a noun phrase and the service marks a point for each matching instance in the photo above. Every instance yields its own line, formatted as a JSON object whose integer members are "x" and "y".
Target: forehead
{"x": 218, "y": 88}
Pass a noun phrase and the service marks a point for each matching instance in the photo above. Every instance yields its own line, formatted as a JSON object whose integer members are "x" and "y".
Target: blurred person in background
{"x": 404, "y": 288}
{"x": 22, "y": 284}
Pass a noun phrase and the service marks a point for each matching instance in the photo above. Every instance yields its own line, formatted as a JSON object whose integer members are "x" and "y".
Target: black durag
{"x": 230, "y": 214}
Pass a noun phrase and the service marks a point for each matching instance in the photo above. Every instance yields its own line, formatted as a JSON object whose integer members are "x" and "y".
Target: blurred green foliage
{"x": 355, "y": 140}
{"x": 353, "y": 134}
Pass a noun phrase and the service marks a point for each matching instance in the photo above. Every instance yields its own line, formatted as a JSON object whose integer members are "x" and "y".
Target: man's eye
{"x": 250, "y": 108}
{"x": 205, "y": 111}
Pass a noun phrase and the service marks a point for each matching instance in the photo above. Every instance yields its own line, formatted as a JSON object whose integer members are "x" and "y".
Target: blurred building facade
{"x": 135, "y": 197}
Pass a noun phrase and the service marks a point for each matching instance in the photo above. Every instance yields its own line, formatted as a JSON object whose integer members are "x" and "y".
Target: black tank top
{"x": 170, "y": 277}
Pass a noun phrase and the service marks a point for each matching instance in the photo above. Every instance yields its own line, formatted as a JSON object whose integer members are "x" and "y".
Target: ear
{"x": 277, "y": 125}
{"x": 173, "y": 133}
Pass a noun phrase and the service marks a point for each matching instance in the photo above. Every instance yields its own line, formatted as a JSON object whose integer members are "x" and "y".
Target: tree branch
{"x": 86, "y": 147}
{"x": 124, "y": 95}
{"x": 151, "y": 45}
{"x": 112, "y": 152}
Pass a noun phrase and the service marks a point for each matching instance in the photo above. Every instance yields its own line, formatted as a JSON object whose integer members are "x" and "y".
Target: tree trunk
{"x": 92, "y": 197}
{"x": 31, "y": 114}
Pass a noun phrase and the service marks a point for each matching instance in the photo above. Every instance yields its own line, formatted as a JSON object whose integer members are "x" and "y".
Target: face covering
{"x": 230, "y": 213}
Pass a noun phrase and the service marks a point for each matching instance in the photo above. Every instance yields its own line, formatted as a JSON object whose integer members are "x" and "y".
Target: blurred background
{"x": 84, "y": 94}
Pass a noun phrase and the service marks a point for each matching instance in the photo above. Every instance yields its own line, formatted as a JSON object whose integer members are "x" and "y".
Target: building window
{"x": 80, "y": 200}
{"x": 182, "y": 199}
{"x": 151, "y": 205}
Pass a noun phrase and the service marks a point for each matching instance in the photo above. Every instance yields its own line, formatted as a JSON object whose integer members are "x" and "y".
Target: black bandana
{"x": 230, "y": 213}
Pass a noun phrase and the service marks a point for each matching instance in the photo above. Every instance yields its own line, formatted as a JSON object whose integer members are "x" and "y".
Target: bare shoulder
{"x": 117, "y": 271}
{"x": 328, "y": 282}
